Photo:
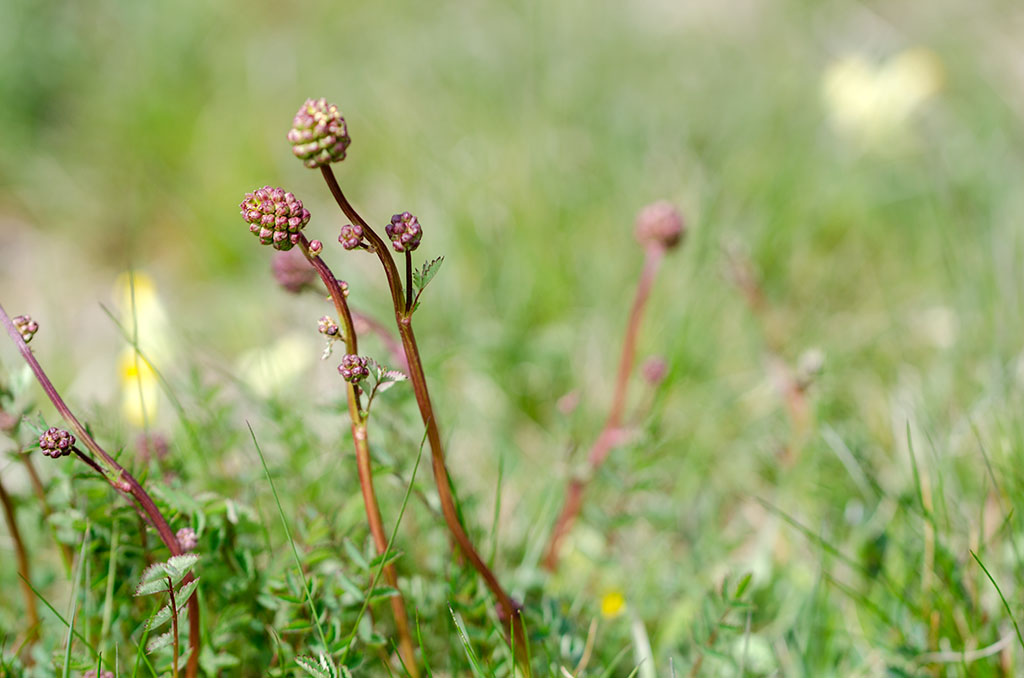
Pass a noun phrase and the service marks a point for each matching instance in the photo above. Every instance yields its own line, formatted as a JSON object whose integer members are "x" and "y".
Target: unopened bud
{"x": 274, "y": 216}
{"x": 187, "y": 538}
{"x": 56, "y": 442}
{"x": 351, "y": 236}
{"x": 319, "y": 135}
{"x": 26, "y": 327}
{"x": 405, "y": 232}
{"x": 353, "y": 368}
{"x": 660, "y": 225}
{"x": 292, "y": 271}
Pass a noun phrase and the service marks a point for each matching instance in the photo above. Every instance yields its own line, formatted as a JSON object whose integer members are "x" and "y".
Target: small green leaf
{"x": 318, "y": 667}
{"x": 163, "y": 640}
{"x": 162, "y": 616}
{"x": 185, "y": 592}
{"x": 151, "y": 587}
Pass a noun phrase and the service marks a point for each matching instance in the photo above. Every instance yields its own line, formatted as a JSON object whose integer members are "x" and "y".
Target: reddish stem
{"x": 119, "y": 478}
{"x": 359, "y": 437}
{"x": 611, "y": 435}
{"x": 32, "y": 634}
{"x": 510, "y": 611}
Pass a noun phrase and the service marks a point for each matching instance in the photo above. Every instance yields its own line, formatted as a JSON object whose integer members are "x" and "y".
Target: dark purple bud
{"x": 276, "y": 217}
{"x": 351, "y": 236}
{"x": 319, "y": 135}
{"x": 56, "y": 442}
{"x": 187, "y": 538}
{"x": 405, "y": 232}
{"x": 660, "y": 225}
{"x": 327, "y": 327}
{"x": 353, "y": 368}
{"x": 26, "y": 327}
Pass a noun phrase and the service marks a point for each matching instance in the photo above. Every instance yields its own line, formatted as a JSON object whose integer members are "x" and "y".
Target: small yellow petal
{"x": 612, "y": 604}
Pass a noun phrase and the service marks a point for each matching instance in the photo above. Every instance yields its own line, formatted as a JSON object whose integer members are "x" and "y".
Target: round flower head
{"x": 351, "y": 236}
{"x": 56, "y": 442}
{"x": 319, "y": 135}
{"x": 274, "y": 216}
{"x": 27, "y": 327}
{"x": 405, "y": 232}
{"x": 660, "y": 225}
{"x": 187, "y": 538}
{"x": 353, "y": 368}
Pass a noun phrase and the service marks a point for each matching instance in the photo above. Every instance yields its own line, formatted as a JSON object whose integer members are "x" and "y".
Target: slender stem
{"x": 120, "y": 479}
{"x": 611, "y": 434}
{"x": 40, "y": 492}
{"x": 359, "y": 436}
{"x": 510, "y": 611}
{"x": 174, "y": 625}
{"x": 22, "y": 556}
{"x": 408, "y": 282}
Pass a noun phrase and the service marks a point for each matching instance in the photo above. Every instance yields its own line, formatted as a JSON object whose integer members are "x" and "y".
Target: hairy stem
{"x": 359, "y": 436}
{"x": 118, "y": 477}
{"x": 32, "y": 633}
{"x": 510, "y": 611}
{"x": 611, "y": 433}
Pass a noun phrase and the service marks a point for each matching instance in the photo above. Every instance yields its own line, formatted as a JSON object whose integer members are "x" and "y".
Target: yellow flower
{"x": 873, "y": 104}
{"x": 613, "y": 604}
{"x": 143, "y": 317}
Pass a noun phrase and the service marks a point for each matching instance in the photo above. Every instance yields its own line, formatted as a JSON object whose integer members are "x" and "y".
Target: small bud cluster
{"x": 405, "y": 232}
{"x": 56, "y": 442}
{"x": 91, "y": 673}
{"x": 187, "y": 538}
{"x": 344, "y": 287}
{"x": 292, "y": 271}
{"x": 351, "y": 236}
{"x": 353, "y": 368}
{"x": 327, "y": 327}
{"x": 274, "y": 216}
{"x": 660, "y": 225}
{"x": 319, "y": 135}
{"x": 27, "y": 327}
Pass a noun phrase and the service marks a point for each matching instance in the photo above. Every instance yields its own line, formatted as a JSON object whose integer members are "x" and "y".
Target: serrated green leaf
{"x": 151, "y": 587}
{"x": 185, "y": 592}
{"x": 422, "y": 277}
{"x": 179, "y": 566}
{"x": 163, "y": 640}
{"x": 317, "y": 667}
{"x": 742, "y": 586}
{"x": 162, "y": 616}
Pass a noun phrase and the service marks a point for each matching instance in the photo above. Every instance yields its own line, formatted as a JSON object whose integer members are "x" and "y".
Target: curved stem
{"x": 510, "y": 611}
{"x": 611, "y": 434}
{"x": 32, "y": 634}
{"x": 119, "y": 478}
{"x": 359, "y": 436}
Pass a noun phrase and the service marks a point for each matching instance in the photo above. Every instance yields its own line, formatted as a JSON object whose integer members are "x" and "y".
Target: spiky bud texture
{"x": 26, "y": 327}
{"x": 292, "y": 271}
{"x": 319, "y": 135}
{"x": 660, "y": 225}
{"x": 405, "y": 232}
{"x": 187, "y": 538}
{"x": 56, "y": 442}
{"x": 353, "y": 368}
{"x": 351, "y": 236}
{"x": 328, "y": 327}
{"x": 274, "y": 216}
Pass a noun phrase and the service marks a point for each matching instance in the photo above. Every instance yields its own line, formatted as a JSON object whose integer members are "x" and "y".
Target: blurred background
{"x": 863, "y": 160}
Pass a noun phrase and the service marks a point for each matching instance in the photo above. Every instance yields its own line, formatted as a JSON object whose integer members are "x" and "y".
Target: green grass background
{"x": 526, "y": 136}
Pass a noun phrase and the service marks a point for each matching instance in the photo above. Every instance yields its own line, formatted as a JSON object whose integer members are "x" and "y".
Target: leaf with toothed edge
{"x": 422, "y": 277}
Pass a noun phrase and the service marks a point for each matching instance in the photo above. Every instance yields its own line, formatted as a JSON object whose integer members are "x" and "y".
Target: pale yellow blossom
{"x": 613, "y": 603}
{"x": 143, "y": 317}
{"x": 874, "y": 104}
